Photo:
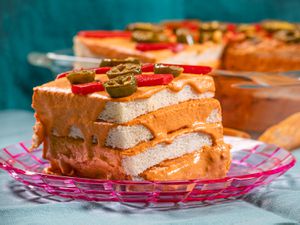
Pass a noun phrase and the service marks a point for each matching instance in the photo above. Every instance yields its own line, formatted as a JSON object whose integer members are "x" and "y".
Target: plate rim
{"x": 275, "y": 170}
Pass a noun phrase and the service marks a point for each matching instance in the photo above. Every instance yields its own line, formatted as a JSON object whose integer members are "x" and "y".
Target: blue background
{"x": 47, "y": 25}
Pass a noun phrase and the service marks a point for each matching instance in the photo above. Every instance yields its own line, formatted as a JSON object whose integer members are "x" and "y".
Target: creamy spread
{"x": 207, "y": 163}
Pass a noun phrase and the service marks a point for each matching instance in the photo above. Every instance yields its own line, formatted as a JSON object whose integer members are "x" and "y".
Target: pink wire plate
{"x": 252, "y": 166}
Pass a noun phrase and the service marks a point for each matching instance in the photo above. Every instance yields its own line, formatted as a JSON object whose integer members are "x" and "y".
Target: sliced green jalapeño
{"x": 184, "y": 36}
{"x": 288, "y": 36}
{"x": 121, "y": 86}
{"x": 144, "y": 27}
{"x": 124, "y": 69}
{"x": 149, "y": 36}
{"x": 81, "y": 76}
{"x": 115, "y": 62}
{"x": 163, "y": 69}
{"x": 276, "y": 25}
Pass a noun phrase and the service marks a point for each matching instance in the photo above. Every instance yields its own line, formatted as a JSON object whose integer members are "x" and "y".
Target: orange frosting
{"x": 168, "y": 119}
{"x": 207, "y": 163}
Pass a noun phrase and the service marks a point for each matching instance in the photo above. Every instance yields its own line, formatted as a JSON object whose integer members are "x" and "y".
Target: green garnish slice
{"x": 115, "y": 62}
{"x": 149, "y": 36}
{"x": 81, "y": 76}
{"x": 184, "y": 36}
{"x": 215, "y": 36}
{"x": 276, "y": 25}
{"x": 288, "y": 36}
{"x": 144, "y": 27}
{"x": 121, "y": 86}
{"x": 249, "y": 30}
{"x": 212, "y": 26}
{"x": 163, "y": 69}
{"x": 205, "y": 36}
{"x": 124, "y": 69}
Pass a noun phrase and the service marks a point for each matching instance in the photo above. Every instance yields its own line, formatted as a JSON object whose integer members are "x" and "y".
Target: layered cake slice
{"x": 152, "y": 122}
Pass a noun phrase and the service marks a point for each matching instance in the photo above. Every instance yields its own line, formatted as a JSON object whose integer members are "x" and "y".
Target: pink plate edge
{"x": 279, "y": 169}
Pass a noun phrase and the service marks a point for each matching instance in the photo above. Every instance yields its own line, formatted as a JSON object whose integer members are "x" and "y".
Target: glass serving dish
{"x": 254, "y": 108}
{"x": 253, "y": 164}
{"x": 249, "y": 107}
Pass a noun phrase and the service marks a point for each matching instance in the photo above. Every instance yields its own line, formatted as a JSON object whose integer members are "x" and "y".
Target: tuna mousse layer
{"x": 125, "y": 120}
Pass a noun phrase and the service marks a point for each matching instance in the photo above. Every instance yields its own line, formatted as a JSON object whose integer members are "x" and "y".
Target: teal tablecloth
{"x": 277, "y": 204}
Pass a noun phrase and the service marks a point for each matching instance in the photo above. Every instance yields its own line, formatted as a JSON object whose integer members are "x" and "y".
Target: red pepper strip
{"x": 148, "y": 67}
{"x": 84, "y": 89}
{"x": 192, "y": 25}
{"x": 153, "y": 79}
{"x": 258, "y": 27}
{"x": 61, "y": 75}
{"x": 231, "y": 27}
{"x": 104, "y": 34}
{"x": 158, "y": 46}
{"x": 102, "y": 70}
{"x": 192, "y": 69}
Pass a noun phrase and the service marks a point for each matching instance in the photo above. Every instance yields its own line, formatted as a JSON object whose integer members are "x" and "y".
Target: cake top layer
{"x": 147, "y": 84}
{"x": 148, "y": 52}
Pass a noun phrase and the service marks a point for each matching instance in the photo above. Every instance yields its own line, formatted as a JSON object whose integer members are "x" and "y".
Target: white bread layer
{"x": 122, "y": 112}
{"x": 183, "y": 144}
{"x": 125, "y": 137}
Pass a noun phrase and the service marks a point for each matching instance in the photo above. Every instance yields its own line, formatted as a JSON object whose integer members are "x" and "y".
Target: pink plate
{"x": 252, "y": 166}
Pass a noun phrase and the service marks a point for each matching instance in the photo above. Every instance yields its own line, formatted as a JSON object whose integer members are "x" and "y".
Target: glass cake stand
{"x": 254, "y": 164}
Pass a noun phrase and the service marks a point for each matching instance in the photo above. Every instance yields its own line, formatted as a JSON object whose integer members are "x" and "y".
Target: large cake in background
{"x": 267, "y": 47}
{"x": 177, "y": 43}
{"x": 150, "y": 122}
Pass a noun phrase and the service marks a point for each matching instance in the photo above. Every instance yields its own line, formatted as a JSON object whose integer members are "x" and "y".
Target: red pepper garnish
{"x": 175, "y": 47}
{"x": 192, "y": 69}
{"x": 153, "y": 79}
{"x": 148, "y": 67}
{"x": 87, "y": 88}
{"x": 61, "y": 75}
{"x": 188, "y": 24}
{"x": 258, "y": 27}
{"x": 102, "y": 70}
{"x": 104, "y": 34}
{"x": 231, "y": 27}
